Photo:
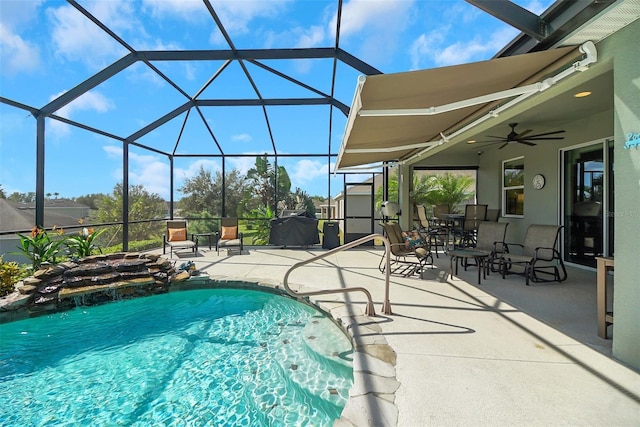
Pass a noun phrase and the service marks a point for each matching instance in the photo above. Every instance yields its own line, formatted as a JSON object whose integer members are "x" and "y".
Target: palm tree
{"x": 449, "y": 189}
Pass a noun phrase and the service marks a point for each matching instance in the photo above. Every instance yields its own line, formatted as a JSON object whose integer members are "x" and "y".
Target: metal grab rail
{"x": 370, "y": 310}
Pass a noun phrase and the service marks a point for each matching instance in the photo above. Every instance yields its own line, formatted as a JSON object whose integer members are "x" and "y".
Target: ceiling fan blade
{"x": 523, "y": 133}
{"x": 546, "y": 133}
{"x": 489, "y": 141}
{"x": 503, "y": 145}
{"x": 544, "y": 138}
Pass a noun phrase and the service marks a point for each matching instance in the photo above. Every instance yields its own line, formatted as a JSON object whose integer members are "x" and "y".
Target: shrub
{"x": 10, "y": 274}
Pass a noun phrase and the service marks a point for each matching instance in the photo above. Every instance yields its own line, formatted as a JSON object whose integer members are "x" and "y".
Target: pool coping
{"x": 372, "y": 396}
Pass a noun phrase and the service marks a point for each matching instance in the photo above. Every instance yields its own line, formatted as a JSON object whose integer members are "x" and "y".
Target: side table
{"x": 478, "y": 256}
{"x": 197, "y": 237}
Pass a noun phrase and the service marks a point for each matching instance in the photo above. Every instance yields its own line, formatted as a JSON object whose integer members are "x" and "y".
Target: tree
{"x": 142, "y": 205}
{"x": 2, "y": 193}
{"x": 203, "y": 193}
{"x": 302, "y": 201}
{"x": 450, "y": 190}
{"x": 92, "y": 200}
{"x": 29, "y": 197}
{"x": 262, "y": 179}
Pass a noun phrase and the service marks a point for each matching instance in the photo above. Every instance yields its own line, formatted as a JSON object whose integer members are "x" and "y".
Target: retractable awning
{"x": 394, "y": 116}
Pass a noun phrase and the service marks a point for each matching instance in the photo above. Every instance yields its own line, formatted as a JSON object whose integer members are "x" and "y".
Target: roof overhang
{"x": 395, "y": 117}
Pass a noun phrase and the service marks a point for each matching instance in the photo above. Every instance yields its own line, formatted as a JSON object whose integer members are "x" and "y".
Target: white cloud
{"x": 16, "y": 54}
{"x": 113, "y": 152}
{"x": 305, "y": 171}
{"x": 235, "y": 15}
{"x": 77, "y": 38}
{"x": 242, "y": 137}
{"x": 310, "y": 37}
{"x": 147, "y": 170}
{"x": 428, "y": 48}
{"x": 189, "y": 10}
{"x": 192, "y": 170}
{"x": 243, "y": 164}
{"x": 377, "y": 24}
{"x": 150, "y": 172}
{"x": 88, "y": 101}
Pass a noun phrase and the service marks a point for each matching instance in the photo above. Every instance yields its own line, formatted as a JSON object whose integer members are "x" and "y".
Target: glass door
{"x": 588, "y": 174}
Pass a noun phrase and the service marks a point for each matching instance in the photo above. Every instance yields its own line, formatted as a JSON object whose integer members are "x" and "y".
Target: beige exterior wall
{"x": 624, "y": 50}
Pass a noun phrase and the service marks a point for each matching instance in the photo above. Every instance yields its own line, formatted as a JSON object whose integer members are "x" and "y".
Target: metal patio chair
{"x": 537, "y": 255}
{"x": 406, "y": 260}
{"x": 176, "y": 237}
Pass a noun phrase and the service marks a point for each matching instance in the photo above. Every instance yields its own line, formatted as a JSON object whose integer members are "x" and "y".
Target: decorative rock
{"x": 135, "y": 265}
{"x": 67, "y": 265}
{"x": 89, "y": 281}
{"x": 89, "y": 269}
{"x": 180, "y": 277}
{"x": 14, "y": 301}
{"x": 25, "y": 289}
{"x": 32, "y": 281}
{"x": 49, "y": 272}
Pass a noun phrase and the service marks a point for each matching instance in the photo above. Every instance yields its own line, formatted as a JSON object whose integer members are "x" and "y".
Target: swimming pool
{"x": 212, "y": 356}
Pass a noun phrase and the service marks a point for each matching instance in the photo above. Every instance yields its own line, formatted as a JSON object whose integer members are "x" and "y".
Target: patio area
{"x": 499, "y": 353}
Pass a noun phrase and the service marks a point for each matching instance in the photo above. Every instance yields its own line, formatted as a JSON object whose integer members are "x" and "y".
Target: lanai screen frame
{"x": 538, "y": 33}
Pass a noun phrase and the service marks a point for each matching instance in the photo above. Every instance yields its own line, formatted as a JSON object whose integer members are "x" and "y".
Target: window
{"x": 513, "y": 187}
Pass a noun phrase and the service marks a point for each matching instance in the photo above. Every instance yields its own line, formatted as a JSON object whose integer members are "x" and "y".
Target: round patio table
{"x": 477, "y": 255}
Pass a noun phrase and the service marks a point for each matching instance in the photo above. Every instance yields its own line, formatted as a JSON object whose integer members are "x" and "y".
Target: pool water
{"x": 223, "y": 357}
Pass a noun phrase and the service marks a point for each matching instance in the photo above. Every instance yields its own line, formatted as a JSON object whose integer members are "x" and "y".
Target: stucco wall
{"x": 625, "y": 50}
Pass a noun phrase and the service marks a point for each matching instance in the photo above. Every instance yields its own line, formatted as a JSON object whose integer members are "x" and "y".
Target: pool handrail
{"x": 370, "y": 309}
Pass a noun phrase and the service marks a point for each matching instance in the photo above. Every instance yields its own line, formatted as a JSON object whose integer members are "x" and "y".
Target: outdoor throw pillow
{"x": 412, "y": 239}
{"x": 177, "y": 234}
{"x": 229, "y": 233}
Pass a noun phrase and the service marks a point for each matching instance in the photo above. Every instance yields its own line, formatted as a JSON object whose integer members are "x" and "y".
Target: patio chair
{"x": 406, "y": 258}
{"x": 229, "y": 235}
{"x": 176, "y": 237}
{"x": 493, "y": 215}
{"x": 473, "y": 216}
{"x": 435, "y": 234}
{"x": 490, "y": 239}
{"x": 538, "y": 255}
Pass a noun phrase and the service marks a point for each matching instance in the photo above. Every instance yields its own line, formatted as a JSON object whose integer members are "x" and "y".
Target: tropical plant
{"x": 39, "y": 247}
{"x": 82, "y": 245}
{"x": 10, "y": 273}
{"x": 261, "y": 226}
{"x": 450, "y": 190}
{"x": 270, "y": 184}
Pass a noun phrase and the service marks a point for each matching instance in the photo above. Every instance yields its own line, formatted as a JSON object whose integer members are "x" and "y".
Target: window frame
{"x": 515, "y": 161}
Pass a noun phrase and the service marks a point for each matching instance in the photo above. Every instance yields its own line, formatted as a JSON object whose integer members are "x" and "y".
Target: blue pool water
{"x": 201, "y": 357}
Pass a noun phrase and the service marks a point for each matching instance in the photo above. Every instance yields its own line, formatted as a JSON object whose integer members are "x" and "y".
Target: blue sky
{"x": 48, "y": 47}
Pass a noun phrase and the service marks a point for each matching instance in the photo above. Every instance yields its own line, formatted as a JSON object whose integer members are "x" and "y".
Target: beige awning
{"x": 396, "y": 115}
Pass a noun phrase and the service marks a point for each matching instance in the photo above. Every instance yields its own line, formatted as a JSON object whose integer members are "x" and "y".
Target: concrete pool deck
{"x": 494, "y": 354}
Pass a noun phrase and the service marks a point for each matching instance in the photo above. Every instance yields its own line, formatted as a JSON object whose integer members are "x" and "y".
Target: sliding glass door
{"x": 587, "y": 202}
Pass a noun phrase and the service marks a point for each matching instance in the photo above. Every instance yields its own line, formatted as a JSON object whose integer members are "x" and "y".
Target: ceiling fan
{"x": 523, "y": 137}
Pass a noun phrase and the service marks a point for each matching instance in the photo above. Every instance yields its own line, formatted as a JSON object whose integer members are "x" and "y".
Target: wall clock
{"x": 538, "y": 181}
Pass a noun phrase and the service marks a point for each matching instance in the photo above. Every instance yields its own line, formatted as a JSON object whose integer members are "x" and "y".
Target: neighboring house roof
{"x": 19, "y": 216}
{"x": 59, "y": 203}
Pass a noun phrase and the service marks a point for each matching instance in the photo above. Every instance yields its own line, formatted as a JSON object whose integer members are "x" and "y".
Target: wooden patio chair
{"x": 229, "y": 235}
{"x": 176, "y": 237}
{"x": 406, "y": 260}
{"x": 537, "y": 255}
